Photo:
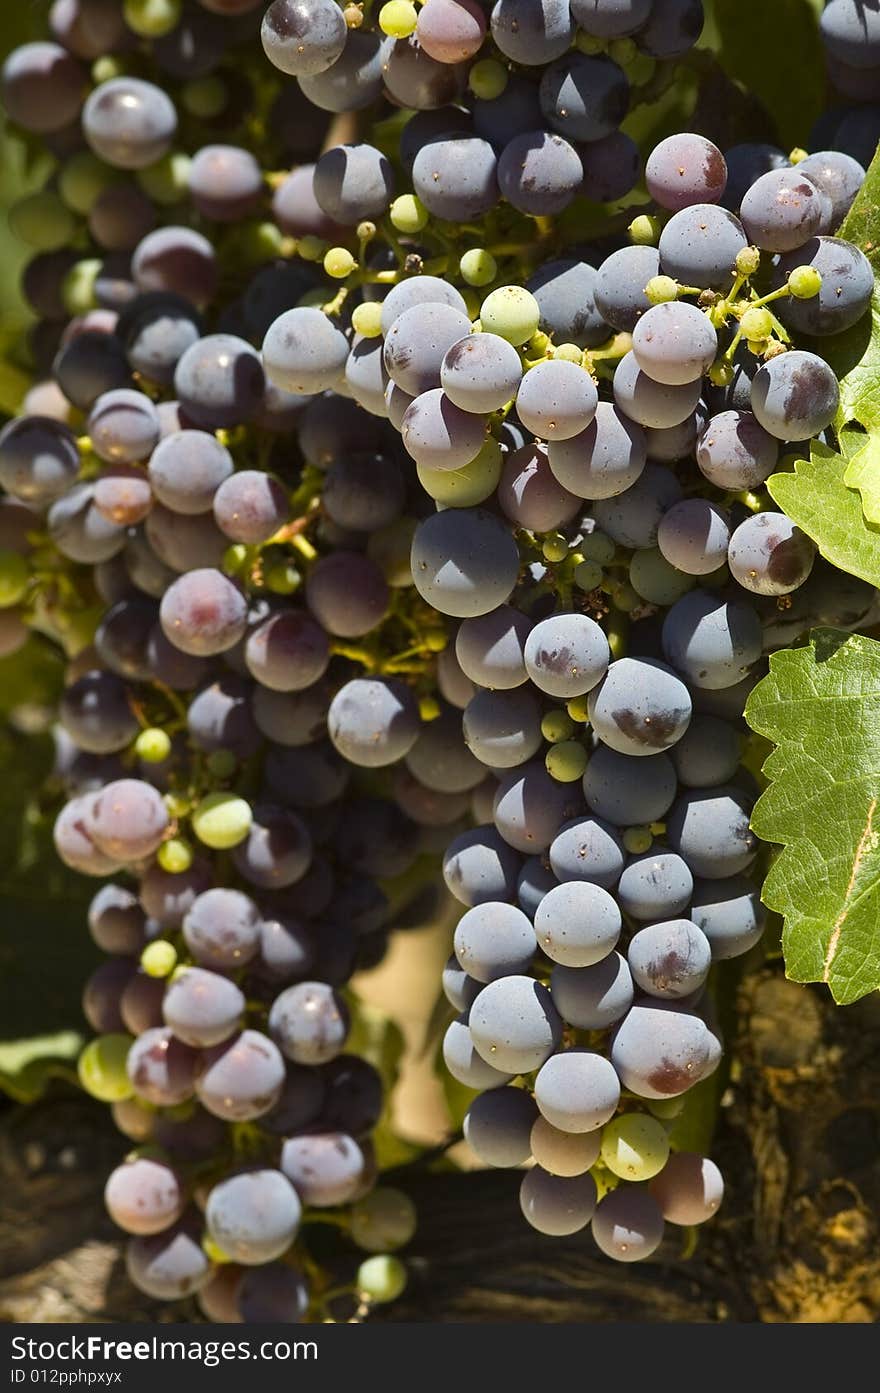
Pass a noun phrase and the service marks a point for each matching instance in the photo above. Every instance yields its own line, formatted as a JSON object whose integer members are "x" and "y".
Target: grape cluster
{"x": 378, "y": 515}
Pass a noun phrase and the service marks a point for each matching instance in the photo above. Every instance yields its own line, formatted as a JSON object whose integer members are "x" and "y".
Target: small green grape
{"x": 436, "y": 640}
{"x": 568, "y": 352}
{"x": 578, "y": 710}
{"x": 599, "y": 547}
{"x": 637, "y": 840}
{"x": 398, "y": 19}
{"x": 645, "y": 230}
{"x": 177, "y": 805}
{"x": 666, "y": 1108}
{"x": 429, "y": 708}
{"x": 748, "y": 260}
{"x": 204, "y": 97}
{"x": 465, "y": 487}
{"x": 282, "y": 579}
{"x": 101, "y": 1068}
{"x": 478, "y": 267}
{"x": 804, "y": 282}
{"x": 221, "y": 763}
{"x": 590, "y": 44}
{"x": 175, "y": 856}
{"x": 408, "y": 213}
{"x": 234, "y": 558}
{"x": 82, "y": 179}
{"x": 381, "y": 1278}
{"x": 43, "y": 221}
{"x": 339, "y": 263}
{"x": 383, "y": 1220}
{"x": 222, "y": 820}
{"x": 512, "y": 312}
{"x": 797, "y": 155}
{"x": 159, "y": 958}
{"x": 167, "y": 181}
{"x": 213, "y": 1251}
{"x": 366, "y": 230}
{"x": 757, "y": 323}
{"x": 622, "y": 50}
{"x": 587, "y": 576}
{"x": 78, "y": 287}
{"x": 721, "y": 373}
{"x": 655, "y": 579}
{"x": 488, "y": 79}
{"x": 554, "y": 547}
{"x": 14, "y": 578}
{"x": 150, "y": 19}
{"x": 107, "y": 67}
{"x": 625, "y": 597}
{"x": 661, "y": 289}
{"x": 566, "y": 761}
{"x": 557, "y": 725}
{"x": 635, "y": 1146}
{"x": 260, "y": 241}
{"x": 153, "y": 745}
{"x": 310, "y": 248}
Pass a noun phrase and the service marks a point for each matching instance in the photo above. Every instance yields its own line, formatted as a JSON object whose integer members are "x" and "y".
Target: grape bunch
{"x": 382, "y": 517}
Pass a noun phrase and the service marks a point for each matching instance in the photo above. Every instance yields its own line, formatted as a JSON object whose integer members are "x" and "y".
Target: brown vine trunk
{"x": 798, "y": 1139}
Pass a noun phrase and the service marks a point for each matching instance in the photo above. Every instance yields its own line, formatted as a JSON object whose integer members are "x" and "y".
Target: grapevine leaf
{"x": 27, "y": 1066}
{"x": 863, "y": 473}
{"x": 783, "y": 67}
{"x": 855, "y": 354}
{"x": 820, "y": 705}
{"x": 815, "y": 496}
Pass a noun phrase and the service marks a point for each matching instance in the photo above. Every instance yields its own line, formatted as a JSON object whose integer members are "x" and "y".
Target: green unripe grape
{"x": 82, "y": 178}
{"x": 478, "y": 267}
{"x": 436, "y": 640}
{"x": 177, "y": 805}
{"x": 666, "y": 1108}
{"x": 721, "y": 373}
{"x": 398, "y": 19}
{"x": 645, "y": 230}
{"x": 234, "y": 558}
{"x": 408, "y": 213}
{"x": 512, "y": 312}
{"x": 150, "y": 19}
{"x": 175, "y": 856}
{"x": 383, "y": 1220}
{"x": 159, "y": 958}
{"x": 661, "y": 289}
{"x": 566, "y": 761}
{"x": 488, "y": 79}
{"x": 43, "y": 221}
{"x": 104, "y": 69}
{"x": 557, "y": 725}
{"x": 282, "y": 579}
{"x": 153, "y": 745}
{"x": 757, "y": 323}
{"x": 635, "y": 1146}
{"x": 366, "y": 319}
{"x": 539, "y": 343}
{"x": 310, "y": 248}
{"x": 14, "y": 577}
{"x": 260, "y": 241}
{"x": 622, "y": 50}
{"x": 640, "y": 68}
{"x": 222, "y": 820}
{"x": 366, "y": 230}
{"x": 625, "y": 597}
{"x": 587, "y": 576}
{"x": 797, "y": 155}
{"x": 568, "y": 352}
{"x": 578, "y": 710}
{"x": 638, "y": 840}
{"x": 599, "y": 547}
{"x": 588, "y": 43}
{"x": 804, "y": 282}
{"x": 381, "y": 1278}
{"x": 213, "y": 1251}
{"x": 655, "y": 579}
{"x": 78, "y": 288}
{"x": 204, "y": 96}
{"x": 748, "y": 260}
{"x": 221, "y": 763}
{"x": 554, "y": 547}
{"x": 101, "y": 1068}
{"x": 429, "y": 708}
{"x": 167, "y": 181}
{"x": 339, "y": 263}
{"x": 465, "y": 487}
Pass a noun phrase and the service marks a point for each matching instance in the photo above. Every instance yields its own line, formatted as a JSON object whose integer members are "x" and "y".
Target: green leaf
{"x": 855, "y": 354}
{"x": 863, "y": 473}
{"x": 27, "y": 1066}
{"x": 820, "y": 705}
{"x": 772, "y": 48}
{"x": 815, "y": 496}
